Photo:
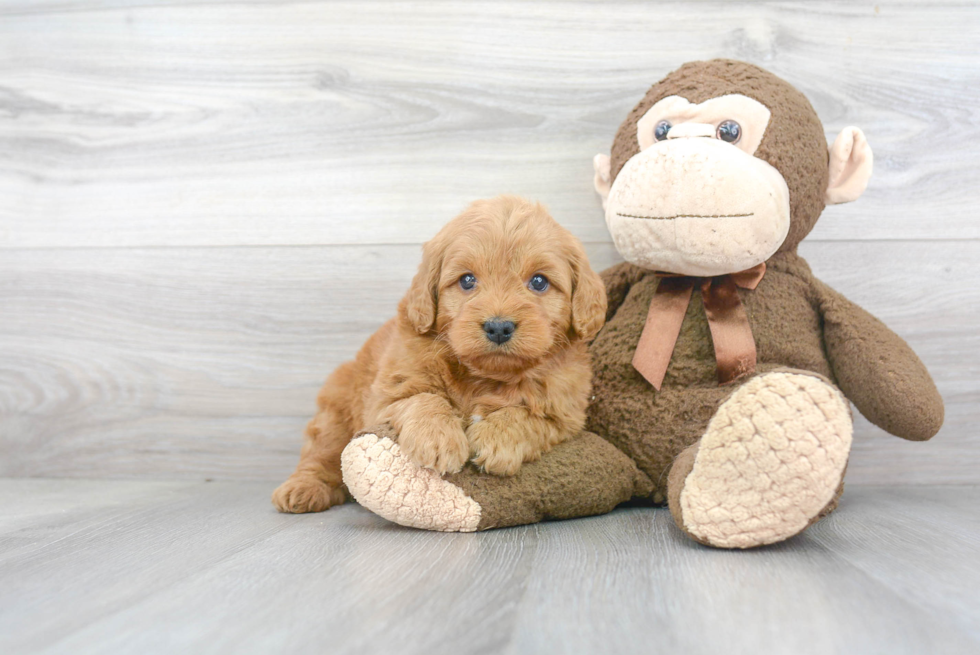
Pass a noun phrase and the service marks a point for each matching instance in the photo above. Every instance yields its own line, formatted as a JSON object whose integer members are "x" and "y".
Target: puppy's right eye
{"x": 538, "y": 283}
{"x": 467, "y": 281}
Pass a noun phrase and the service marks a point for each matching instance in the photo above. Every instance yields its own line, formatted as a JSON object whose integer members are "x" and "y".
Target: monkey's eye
{"x": 538, "y": 283}
{"x": 467, "y": 281}
{"x": 660, "y": 131}
{"x": 729, "y": 131}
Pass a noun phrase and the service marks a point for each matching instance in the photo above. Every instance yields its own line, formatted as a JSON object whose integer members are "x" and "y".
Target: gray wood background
{"x": 205, "y": 205}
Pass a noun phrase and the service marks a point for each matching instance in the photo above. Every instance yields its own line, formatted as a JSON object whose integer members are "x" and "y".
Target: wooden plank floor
{"x": 144, "y": 567}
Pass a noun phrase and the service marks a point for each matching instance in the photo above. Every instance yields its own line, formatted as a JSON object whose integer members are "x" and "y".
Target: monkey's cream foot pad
{"x": 771, "y": 460}
{"x": 385, "y": 481}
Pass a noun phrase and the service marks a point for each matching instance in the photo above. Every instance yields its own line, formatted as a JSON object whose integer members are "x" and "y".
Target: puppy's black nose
{"x": 499, "y": 331}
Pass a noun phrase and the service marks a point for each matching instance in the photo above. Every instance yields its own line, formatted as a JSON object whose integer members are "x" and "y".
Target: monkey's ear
{"x": 418, "y": 306}
{"x": 588, "y": 296}
{"x": 850, "y": 167}
{"x": 603, "y": 175}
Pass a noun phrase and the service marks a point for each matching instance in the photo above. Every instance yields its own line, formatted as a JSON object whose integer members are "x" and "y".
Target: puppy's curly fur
{"x": 450, "y": 391}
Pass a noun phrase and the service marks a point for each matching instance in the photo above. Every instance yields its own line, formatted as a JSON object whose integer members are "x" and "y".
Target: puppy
{"x": 486, "y": 358}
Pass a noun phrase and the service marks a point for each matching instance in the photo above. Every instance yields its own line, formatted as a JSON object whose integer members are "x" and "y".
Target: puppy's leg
{"x": 429, "y": 432}
{"x": 317, "y": 483}
{"x": 510, "y": 436}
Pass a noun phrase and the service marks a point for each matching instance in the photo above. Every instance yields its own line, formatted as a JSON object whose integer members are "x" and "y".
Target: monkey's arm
{"x": 618, "y": 279}
{"x": 877, "y": 370}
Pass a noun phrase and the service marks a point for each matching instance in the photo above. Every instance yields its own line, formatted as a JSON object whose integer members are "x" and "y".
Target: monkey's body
{"x": 721, "y": 167}
{"x": 653, "y": 427}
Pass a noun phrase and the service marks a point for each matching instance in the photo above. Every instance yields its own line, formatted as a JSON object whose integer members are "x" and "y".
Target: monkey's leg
{"x": 583, "y": 476}
{"x": 317, "y": 483}
{"x": 770, "y": 463}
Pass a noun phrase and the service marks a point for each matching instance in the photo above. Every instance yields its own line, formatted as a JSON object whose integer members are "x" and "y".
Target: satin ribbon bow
{"x": 730, "y": 329}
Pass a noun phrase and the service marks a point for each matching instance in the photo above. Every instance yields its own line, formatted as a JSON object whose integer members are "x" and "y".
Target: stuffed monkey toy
{"x": 723, "y": 373}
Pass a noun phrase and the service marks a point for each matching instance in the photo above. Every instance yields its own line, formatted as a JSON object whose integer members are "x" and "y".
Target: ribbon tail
{"x": 730, "y": 330}
{"x": 662, "y": 327}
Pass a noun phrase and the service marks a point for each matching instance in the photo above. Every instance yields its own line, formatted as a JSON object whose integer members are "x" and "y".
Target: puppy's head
{"x": 505, "y": 286}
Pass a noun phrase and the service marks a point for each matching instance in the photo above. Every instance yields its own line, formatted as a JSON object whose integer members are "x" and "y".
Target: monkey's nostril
{"x": 499, "y": 331}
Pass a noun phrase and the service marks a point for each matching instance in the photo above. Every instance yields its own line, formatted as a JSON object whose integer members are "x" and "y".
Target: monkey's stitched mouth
{"x": 670, "y": 218}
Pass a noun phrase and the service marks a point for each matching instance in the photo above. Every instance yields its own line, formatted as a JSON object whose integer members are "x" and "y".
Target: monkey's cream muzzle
{"x": 697, "y": 206}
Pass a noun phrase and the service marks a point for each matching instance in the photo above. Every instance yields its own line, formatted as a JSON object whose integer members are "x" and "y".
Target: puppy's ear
{"x": 588, "y": 295}
{"x": 418, "y": 306}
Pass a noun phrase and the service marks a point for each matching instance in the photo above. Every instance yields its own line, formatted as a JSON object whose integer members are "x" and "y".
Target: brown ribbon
{"x": 730, "y": 329}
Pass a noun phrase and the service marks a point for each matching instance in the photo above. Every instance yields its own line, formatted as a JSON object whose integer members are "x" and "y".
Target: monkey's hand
{"x": 877, "y": 370}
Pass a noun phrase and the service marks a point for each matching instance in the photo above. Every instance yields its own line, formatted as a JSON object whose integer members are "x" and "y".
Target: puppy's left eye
{"x": 538, "y": 283}
{"x": 467, "y": 281}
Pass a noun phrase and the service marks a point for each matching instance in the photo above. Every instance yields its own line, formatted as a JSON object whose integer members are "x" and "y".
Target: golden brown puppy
{"x": 486, "y": 359}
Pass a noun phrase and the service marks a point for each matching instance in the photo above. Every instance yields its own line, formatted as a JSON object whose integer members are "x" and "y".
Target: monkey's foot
{"x": 768, "y": 465}
{"x": 384, "y": 480}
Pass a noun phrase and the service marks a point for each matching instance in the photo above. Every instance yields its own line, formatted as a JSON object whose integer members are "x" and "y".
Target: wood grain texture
{"x": 205, "y": 206}
{"x": 256, "y": 123}
{"x": 205, "y": 362}
{"x": 124, "y": 567}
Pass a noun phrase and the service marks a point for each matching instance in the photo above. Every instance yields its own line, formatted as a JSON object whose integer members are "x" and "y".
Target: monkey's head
{"x": 719, "y": 167}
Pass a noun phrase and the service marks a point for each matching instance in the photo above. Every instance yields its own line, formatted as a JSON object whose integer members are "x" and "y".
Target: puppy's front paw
{"x": 498, "y": 446}
{"x": 436, "y": 444}
{"x": 305, "y": 493}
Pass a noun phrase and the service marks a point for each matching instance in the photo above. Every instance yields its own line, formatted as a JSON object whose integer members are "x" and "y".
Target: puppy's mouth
{"x": 498, "y": 347}
{"x": 501, "y": 359}
{"x": 503, "y": 353}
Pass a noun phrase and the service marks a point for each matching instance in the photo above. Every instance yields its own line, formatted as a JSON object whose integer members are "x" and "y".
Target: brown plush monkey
{"x": 723, "y": 372}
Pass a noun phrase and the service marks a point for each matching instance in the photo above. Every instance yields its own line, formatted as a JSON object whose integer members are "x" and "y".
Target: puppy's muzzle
{"x": 499, "y": 331}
